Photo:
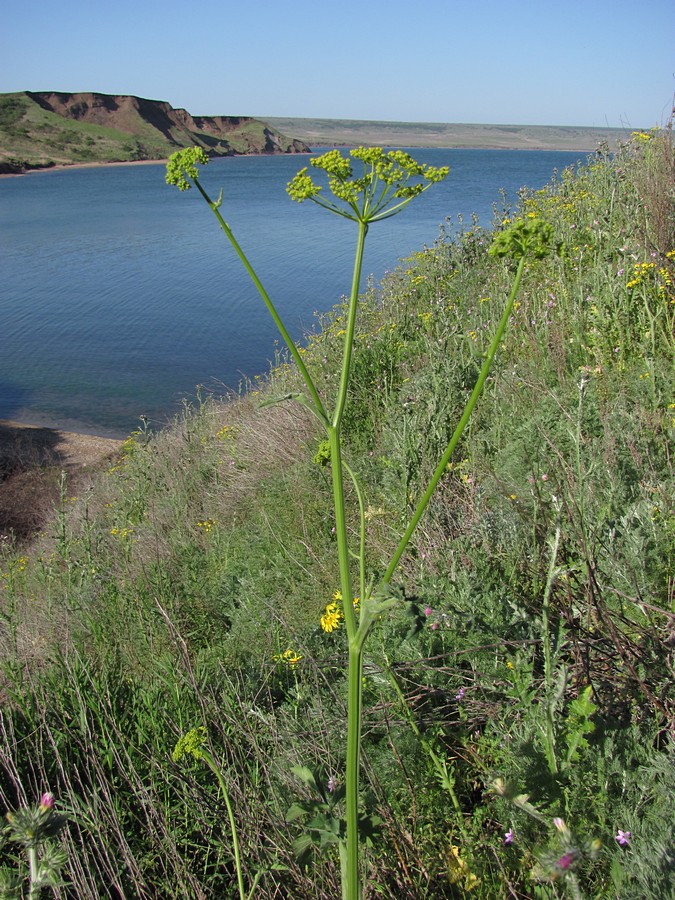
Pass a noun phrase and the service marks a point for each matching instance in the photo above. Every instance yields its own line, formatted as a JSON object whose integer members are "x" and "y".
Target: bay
{"x": 119, "y": 295}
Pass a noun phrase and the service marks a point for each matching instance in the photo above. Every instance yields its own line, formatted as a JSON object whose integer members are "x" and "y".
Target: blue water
{"x": 119, "y": 295}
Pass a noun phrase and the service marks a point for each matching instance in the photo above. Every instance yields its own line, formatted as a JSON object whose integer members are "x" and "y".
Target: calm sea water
{"x": 119, "y": 295}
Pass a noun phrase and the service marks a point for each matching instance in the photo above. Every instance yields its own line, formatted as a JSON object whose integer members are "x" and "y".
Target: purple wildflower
{"x": 622, "y": 838}
{"x": 508, "y": 837}
{"x": 460, "y": 694}
{"x": 47, "y": 801}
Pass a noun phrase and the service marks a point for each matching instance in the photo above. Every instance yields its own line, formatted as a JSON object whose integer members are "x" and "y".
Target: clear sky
{"x": 525, "y": 62}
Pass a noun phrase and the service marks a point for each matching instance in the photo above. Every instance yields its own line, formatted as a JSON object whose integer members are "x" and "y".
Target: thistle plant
{"x": 34, "y": 828}
{"x": 367, "y": 186}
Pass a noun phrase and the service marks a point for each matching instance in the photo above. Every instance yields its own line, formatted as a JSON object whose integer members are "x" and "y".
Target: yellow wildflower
{"x": 332, "y": 617}
{"x": 290, "y": 657}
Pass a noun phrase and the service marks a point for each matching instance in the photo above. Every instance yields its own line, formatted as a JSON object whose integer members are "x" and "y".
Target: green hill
{"x": 41, "y": 129}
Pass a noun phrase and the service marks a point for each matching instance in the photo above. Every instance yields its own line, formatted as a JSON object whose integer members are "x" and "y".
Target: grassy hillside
{"x": 43, "y": 129}
{"x": 352, "y": 132}
{"x": 518, "y": 733}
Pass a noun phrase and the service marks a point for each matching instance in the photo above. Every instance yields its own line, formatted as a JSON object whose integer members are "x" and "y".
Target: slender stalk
{"x": 548, "y": 661}
{"x": 233, "y": 825}
{"x": 268, "y": 303}
{"x": 351, "y": 322}
{"x": 362, "y": 532}
{"x": 459, "y": 430}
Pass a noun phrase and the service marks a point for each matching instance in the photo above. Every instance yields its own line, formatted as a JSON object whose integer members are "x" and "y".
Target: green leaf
{"x": 306, "y": 776}
{"x": 295, "y": 812}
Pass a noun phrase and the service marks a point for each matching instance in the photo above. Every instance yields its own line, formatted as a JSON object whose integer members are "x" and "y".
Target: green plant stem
{"x": 34, "y": 890}
{"x": 459, "y": 430}
{"x": 349, "y": 331}
{"x": 341, "y": 528}
{"x": 210, "y": 762}
{"x": 355, "y": 666}
{"x": 548, "y": 659}
{"x": 268, "y": 303}
{"x": 362, "y": 531}
{"x": 355, "y": 681}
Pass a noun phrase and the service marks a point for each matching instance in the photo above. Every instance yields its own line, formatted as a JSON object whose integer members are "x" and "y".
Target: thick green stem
{"x": 33, "y": 890}
{"x": 459, "y": 430}
{"x": 355, "y": 670}
{"x": 355, "y": 676}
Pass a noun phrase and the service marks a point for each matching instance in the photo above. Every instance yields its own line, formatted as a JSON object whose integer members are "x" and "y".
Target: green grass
{"x": 165, "y": 598}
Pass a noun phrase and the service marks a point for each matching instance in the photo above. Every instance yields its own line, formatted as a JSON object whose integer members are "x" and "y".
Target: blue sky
{"x": 595, "y": 62}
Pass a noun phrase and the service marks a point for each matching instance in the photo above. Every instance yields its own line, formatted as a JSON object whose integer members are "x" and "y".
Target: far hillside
{"x": 42, "y": 129}
{"x": 351, "y": 132}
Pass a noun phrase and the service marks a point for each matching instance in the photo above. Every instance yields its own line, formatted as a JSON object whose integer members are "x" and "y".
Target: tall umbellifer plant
{"x": 385, "y": 183}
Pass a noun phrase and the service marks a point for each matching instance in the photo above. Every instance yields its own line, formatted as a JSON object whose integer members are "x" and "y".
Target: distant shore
{"x": 59, "y": 167}
{"x": 430, "y": 135}
{"x": 450, "y": 136}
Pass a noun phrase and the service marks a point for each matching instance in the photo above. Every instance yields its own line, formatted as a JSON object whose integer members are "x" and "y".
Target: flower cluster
{"x": 206, "y": 525}
{"x": 532, "y": 237}
{"x": 190, "y": 744}
{"x": 382, "y": 189}
{"x": 227, "y": 432}
{"x": 333, "y": 615}
{"x": 288, "y": 657}
{"x": 331, "y": 618}
{"x": 184, "y": 163}
{"x": 459, "y": 871}
{"x": 648, "y": 274}
{"x": 640, "y": 273}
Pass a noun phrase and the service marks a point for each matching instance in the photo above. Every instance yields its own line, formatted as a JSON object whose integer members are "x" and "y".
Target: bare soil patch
{"x": 32, "y": 460}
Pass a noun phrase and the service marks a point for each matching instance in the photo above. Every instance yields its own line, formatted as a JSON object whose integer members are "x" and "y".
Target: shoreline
{"x": 320, "y": 146}
{"x": 48, "y": 446}
{"x": 74, "y": 428}
{"x": 60, "y": 167}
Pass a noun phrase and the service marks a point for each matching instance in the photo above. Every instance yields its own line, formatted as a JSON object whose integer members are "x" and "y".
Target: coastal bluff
{"x": 49, "y": 128}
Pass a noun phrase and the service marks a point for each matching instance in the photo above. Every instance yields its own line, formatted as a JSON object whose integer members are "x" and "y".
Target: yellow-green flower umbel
{"x": 388, "y": 181}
